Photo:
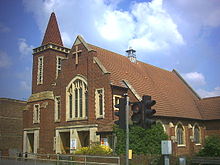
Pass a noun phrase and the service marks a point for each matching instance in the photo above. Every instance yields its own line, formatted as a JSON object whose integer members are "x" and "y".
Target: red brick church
{"x": 74, "y": 91}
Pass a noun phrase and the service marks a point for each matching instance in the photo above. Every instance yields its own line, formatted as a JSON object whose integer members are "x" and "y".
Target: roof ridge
{"x": 106, "y": 49}
{"x": 208, "y": 98}
{"x": 126, "y": 57}
{"x": 184, "y": 81}
{"x": 52, "y": 33}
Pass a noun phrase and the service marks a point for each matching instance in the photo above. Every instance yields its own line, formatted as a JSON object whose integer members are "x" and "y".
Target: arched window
{"x": 77, "y": 99}
{"x": 160, "y": 122}
{"x": 180, "y": 134}
{"x": 196, "y": 133}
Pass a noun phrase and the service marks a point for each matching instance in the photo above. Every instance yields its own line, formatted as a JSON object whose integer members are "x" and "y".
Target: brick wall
{"x": 49, "y": 70}
{"x": 95, "y": 79}
{"x": 212, "y": 127}
{"x": 190, "y": 147}
{"x": 11, "y": 125}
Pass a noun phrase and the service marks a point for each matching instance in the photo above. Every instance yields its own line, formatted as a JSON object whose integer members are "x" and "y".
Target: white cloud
{"x": 155, "y": 29}
{"x": 5, "y": 60}
{"x": 24, "y": 48}
{"x": 197, "y": 80}
{"x": 4, "y": 28}
{"x": 204, "y": 93}
{"x": 74, "y": 17}
{"x": 40, "y": 9}
{"x": 195, "y": 18}
{"x": 194, "y": 78}
{"x": 147, "y": 26}
{"x": 205, "y": 12}
{"x": 116, "y": 25}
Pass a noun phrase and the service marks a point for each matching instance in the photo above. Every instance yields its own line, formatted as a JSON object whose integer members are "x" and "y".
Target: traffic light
{"x": 121, "y": 113}
{"x": 147, "y": 112}
{"x": 137, "y": 113}
{"x": 142, "y": 112}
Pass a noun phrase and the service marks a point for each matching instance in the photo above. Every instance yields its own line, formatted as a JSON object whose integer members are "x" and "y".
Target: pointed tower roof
{"x": 52, "y": 34}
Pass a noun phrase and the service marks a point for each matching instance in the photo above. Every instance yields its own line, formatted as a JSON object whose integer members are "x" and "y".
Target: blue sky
{"x": 170, "y": 34}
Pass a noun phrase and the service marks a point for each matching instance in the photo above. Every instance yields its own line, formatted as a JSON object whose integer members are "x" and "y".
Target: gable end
{"x": 190, "y": 88}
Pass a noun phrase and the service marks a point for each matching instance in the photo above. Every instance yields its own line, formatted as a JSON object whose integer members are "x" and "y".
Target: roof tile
{"x": 52, "y": 34}
{"x": 174, "y": 98}
{"x": 210, "y": 108}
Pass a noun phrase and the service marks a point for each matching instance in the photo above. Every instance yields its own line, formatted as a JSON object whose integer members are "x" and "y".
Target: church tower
{"x": 47, "y": 58}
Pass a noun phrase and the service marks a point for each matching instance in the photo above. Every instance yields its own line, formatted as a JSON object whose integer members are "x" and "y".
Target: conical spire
{"x": 52, "y": 34}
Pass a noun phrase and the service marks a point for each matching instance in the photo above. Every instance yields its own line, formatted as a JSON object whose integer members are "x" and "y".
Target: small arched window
{"x": 160, "y": 122}
{"x": 180, "y": 134}
{"x": 196, "y": 134}
{"x": 99, "y": 103}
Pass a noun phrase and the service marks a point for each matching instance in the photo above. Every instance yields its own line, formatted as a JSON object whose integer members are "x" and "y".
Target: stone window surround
{"x": 36, "y": 114}
{"x": 56, "y": 117}
{"x": 114, "y": 97}
{"x": 193, "y": 132}
{"x": 40, "y": 73}
{"x": 98, "y": 116}
{"x": 85, "y": 89}
{"x": 58, "y": 66}
{"x": 184, "y": 135}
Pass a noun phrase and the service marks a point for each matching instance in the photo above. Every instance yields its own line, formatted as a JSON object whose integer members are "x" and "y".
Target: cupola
{"x": 131, "y": 53}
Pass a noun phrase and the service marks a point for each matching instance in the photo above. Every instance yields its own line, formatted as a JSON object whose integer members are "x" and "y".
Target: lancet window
{"x": 77, "y": 95}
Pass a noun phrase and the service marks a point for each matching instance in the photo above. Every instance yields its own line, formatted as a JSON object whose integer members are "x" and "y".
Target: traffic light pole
{"x": 127, "y": 128}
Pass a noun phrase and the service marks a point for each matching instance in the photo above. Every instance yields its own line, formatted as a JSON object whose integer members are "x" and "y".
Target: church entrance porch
{"x": 65, "y": 142}
{"x": 30, "y": 144}
{"x": 31, "y": 140}
{"x": 83, "y": 138}
{"x": 70, "y": 138}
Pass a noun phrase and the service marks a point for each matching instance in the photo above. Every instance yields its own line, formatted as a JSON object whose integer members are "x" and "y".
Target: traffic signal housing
{"x": 142, "y": 112}
{"x": 121, "y": 113}
{"x": 147, "y": 112}
{"x": 137, "y": 113}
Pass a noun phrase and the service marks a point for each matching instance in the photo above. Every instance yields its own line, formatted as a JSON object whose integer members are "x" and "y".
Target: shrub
{"x": 94, "y": 149}
{"x": 211, "y": 147}
{"x": 83, "y": 151}
{"x": 141, "y": 141}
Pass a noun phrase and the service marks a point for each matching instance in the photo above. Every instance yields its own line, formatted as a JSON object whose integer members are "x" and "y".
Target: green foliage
{"x": 211, "y": 147}
{"x": 141, "y": 141}
{"x": 94, "y": 149}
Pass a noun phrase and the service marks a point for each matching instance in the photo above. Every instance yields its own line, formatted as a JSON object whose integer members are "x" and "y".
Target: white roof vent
{"x": 131, "y": 55}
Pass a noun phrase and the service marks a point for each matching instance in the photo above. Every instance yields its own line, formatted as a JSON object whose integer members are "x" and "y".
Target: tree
{"x": 142, "y": 141}
{"x": 211, "y": 147}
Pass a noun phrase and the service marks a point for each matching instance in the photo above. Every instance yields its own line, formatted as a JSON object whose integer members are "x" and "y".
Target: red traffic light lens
{"x": 136, "y": 107}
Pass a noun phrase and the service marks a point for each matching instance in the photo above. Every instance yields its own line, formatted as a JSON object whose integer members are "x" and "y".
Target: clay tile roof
{"x": 210, "y": 108}
{"x": 174, "y": 98}
{"x": 52, "y": 34}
